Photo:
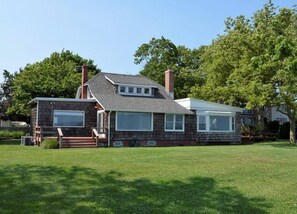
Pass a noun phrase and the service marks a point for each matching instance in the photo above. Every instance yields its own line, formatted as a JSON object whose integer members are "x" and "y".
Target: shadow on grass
{"x": 10, "y": 142}
{"x": 281, "y": 144}
{"x": 31, "y": 189}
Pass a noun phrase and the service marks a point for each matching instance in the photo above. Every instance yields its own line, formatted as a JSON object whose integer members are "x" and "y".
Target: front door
{"x": 100, "y": 121}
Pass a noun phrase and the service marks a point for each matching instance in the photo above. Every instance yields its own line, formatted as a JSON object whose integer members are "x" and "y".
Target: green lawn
{"x": 259, "y": 178}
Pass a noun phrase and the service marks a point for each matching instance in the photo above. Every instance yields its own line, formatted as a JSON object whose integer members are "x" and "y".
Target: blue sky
{"x": 110, "y": 31}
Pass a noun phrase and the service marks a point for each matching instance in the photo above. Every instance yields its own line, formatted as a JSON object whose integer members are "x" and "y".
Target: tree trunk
{"x": 292, "y": 131}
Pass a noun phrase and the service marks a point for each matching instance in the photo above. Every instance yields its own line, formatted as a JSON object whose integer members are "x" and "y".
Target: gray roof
{"x": 118, "y": 79}
{"x": 104, "y": 92}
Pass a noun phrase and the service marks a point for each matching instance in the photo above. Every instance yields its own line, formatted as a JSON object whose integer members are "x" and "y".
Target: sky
{"x": 110, "y": 31}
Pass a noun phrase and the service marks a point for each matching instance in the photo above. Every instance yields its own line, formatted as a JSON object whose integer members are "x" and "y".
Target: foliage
{"x": 254, "y": 63}
{"x": 161, "y": 54}
{"x": 49, "y": 143}
{"x": 6, "y": 100}
{"x": 55, "y": 76}
{"x": 221, "y": 179}
{"x": 284, "y": 131}
{"x": 248, "y": 130}
{"x": 273, "y": 126}
{"x": 12, "y": 134}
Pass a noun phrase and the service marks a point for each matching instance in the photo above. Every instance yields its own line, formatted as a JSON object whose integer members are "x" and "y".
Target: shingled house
{"x": 126, "y": 110}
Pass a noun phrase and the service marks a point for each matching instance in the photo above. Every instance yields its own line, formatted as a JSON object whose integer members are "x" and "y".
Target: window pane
{"x": 202, "y": 122}
{"x": 122, "y": 89}
{"x": 146, "y": 90}
{"x": 139, "y": 90}
{"x": 169, "y": 121}
{"x": 219, "y": 123}
{"x": 179, "y": 122}
{"x": 134, "y": 121}
{"x": 233, "y": 123}
{"x": 68, "y": 119}
{"x": 131, "y": 89}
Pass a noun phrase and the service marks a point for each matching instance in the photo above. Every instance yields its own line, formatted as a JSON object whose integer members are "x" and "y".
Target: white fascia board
{"x": 202, "y": 105}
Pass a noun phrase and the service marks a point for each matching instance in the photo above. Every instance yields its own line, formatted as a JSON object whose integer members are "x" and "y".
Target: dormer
{"x": 132, "y": 85}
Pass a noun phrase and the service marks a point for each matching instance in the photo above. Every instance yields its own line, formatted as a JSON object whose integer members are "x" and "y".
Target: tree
{"x": 6, "y": 94}
{"x": 254, "y": 64}
{"x": 55, "y": 76}
{"x": 160, "y": 54}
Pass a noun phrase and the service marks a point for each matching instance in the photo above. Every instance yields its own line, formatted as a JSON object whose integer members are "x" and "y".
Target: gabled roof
{"x": 202, "y": 105}
{"x": 103, "y": 90}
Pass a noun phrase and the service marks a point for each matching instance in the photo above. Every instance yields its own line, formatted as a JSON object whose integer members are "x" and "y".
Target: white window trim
{"x": 70, "y": 111}
{"x": 129, "y": 130}
{"x": 207, "y": 114}
{"x": 174, "y": 130}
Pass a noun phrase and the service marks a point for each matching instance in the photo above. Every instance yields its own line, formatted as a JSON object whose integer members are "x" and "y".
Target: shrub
{"x": 11, "y": 134}
{"x": 273, "y": 126}
{"x": 50, "y": 143}
{"x": 284, "y": 131}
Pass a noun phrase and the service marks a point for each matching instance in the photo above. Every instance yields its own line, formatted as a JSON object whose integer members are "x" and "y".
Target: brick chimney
{"x": 84, "y": 79}
{"x": 169, "y": 82}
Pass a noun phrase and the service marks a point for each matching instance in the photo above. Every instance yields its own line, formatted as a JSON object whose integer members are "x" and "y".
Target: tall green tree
{"x": 158, "y": 55}
{"x": 254, "y": 63}
{"x": 6, "y": 94}
{"x": 55, "y": 76}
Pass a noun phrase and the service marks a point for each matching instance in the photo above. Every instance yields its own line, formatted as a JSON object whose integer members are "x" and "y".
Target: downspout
{"x": 108, "y": 134}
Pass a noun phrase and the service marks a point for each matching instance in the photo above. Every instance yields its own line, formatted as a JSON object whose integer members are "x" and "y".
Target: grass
{"x": 259, "y": 178}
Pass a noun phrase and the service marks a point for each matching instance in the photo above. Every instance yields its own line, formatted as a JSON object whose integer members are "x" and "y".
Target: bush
{"x": 50, "y": 143}
{"x": 284, "y": 131}
{"x": 273, "y": 126}
{"x": 11, "y": 134}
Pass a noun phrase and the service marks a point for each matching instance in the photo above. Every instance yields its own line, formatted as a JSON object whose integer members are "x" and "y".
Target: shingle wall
{"x": 46, "y": 111}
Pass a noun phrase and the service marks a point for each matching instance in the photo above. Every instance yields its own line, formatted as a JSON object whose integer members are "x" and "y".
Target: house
{"x": 215, "y": 122}
{"x": 129, "y": 110}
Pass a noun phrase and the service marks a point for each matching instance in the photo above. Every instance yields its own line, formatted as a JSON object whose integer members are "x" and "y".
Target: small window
{"x": 139, "y": 90}
{"x": 174, "y": 122}
{"x": 146, "y": 90}
{"x": 68, "y": 118}
{"x": 122, "y": 89}
{"x": 202, "y": 122}
{"x": 233, "y": 123}
{"x": 131, "y": 90}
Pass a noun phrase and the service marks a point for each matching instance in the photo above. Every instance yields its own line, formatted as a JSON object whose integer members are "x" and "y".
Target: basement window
{"x": 64, "y": 118}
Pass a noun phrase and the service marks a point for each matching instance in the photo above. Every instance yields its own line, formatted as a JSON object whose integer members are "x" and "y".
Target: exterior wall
{"x": 33, "y": 119}
{"x": 46, "y": 111}
{"x": 222, "y": 137}
{"x": 157, "y": 137}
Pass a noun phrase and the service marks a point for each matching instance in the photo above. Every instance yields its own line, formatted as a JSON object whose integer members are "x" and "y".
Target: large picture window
{"x": 69, "y": 118}
{"x": 174, "y": 122}
{"x": 216, "y": 122}
{"x": 134, "y": 121}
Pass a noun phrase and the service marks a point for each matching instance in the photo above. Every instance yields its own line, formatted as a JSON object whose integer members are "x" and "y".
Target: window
{"x": 134, "y": 121}
{"x": 139, "y": 90}
{"x": 219, "y": 123}
{"x": 146, "y": 90}
{"x": 122, "y": 89}
{"x": 216, "y": 121}
{"x": 131, "y": 89}
{"x": 69, "y": 118}
{"x": 202, "y": 122}
{"x": 174, "y": 122}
